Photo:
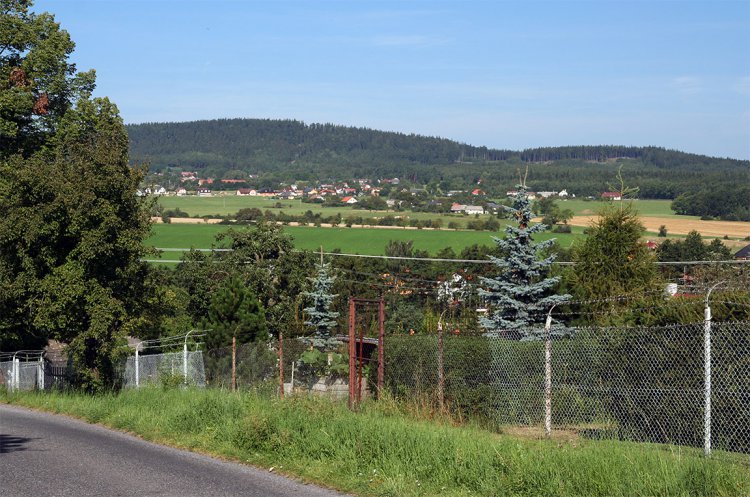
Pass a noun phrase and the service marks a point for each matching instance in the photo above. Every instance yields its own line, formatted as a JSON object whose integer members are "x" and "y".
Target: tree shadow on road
{"x": 10, "y": 443}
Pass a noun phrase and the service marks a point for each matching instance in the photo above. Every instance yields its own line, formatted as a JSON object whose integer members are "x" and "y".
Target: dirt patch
{"x": 677, "y": 226}
{"x": 193, "y": 220}
{"x": 537, "y": 433}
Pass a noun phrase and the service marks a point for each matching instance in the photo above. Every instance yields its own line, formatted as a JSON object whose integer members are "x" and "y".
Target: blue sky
{"x": 505, "y": 74}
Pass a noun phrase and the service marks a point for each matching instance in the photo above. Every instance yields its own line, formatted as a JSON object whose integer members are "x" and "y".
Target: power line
{"x": 437, "y": 259}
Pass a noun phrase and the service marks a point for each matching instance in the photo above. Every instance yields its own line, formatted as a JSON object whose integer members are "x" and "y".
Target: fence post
{"x": 40, "y": 374}
{"x": 707, "y": 374}
{"x": 441, "y": 365}
{"x": 548, "y": 374}
{"x": 234, "y": 364}
{"x": 381, "y": 345}
{"x": 352, "y": 353}
{"x": 185, "y": 357}
{"x": 281, "y": 364}
{"x": 16, "y": 374}
{"x": 291, "y": 380}
{"x": 137, "y": 368}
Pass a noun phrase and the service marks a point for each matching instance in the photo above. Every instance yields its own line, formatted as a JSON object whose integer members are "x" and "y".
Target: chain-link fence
{"x": 642, "y": 384}
{"x": 17, "y": 374}
{"x": 256, "y": 366}
{"x": 169, "y": 369}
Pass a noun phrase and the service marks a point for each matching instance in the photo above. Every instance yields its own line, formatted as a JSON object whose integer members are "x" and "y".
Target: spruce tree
{"x": 234, "y": 312}
{"x": 521, "y": 294}
{"x": 321, "y": 318}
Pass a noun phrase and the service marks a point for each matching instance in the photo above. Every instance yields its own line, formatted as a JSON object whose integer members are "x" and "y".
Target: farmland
{"x": 370, "y": 241}
{"x": 223, "y": 205}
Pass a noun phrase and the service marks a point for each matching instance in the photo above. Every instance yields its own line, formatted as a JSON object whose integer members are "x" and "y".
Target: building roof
{"x": 743, "y": 253}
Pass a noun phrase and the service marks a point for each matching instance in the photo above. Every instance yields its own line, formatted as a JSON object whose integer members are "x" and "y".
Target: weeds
{"x": 387, "y": 448}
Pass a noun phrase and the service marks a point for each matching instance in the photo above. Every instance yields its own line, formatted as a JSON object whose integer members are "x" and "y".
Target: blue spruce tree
{"x": 321, "y": 318}
{"x": 521, "y": 294}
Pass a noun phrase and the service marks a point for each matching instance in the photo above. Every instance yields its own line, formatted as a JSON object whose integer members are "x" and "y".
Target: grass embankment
{"x": 382, "y": 450}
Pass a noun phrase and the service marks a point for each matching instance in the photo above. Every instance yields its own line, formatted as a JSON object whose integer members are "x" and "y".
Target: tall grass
{"x": 383, "y": 450}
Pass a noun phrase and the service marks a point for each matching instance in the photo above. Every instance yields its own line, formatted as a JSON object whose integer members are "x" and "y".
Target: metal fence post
{"x": 548, "y": 374}
{"x": 40, "y": 374}
{"x": 184, "y": 360}
{"x": 707, "y": 374}
{"x": 281, "y": 365}
{"x": 185, "y": 357}
{"x": 440, "y": 364}
{"x": 707, "y": 381}
{"x": 137, "y": 369}
{"x": 16, "y": 375}
{"x": 352, "y": 352}
{"x": 381, "y": 346}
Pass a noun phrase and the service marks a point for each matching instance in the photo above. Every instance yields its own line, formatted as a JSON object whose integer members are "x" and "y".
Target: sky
{"x": 503, "y": 74}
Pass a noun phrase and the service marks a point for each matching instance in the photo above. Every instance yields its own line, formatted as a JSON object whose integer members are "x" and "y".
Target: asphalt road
{"x": 46, "y": 455}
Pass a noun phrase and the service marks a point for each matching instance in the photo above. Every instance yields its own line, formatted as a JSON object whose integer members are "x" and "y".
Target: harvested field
{"x": 677, "y": 226}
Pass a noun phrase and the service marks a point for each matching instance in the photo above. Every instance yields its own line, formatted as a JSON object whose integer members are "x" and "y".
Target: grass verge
{"x": 382, "y": 450}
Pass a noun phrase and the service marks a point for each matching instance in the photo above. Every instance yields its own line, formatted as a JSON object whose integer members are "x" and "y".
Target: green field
{"x": 648, "y": 208}
{"x": 370, "y": 241}
{"x": 230, "y": 204}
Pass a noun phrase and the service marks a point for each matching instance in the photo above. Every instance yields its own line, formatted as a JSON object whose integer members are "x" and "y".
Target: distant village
{"x": 394, "y": 193}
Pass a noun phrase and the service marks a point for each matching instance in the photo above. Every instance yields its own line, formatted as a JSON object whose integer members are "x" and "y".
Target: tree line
{"x": 289, "y": 150}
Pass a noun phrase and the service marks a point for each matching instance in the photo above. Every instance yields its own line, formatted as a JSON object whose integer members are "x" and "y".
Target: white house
{"x": 349, "y": 200}
{"x": 473, "y": 209}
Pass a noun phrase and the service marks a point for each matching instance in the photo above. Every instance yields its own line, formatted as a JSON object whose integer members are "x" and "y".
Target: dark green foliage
{"x": 72, "y": 228}
{"x": 38, "y": 84}
{"x": 264, "y": 259}
{"x": 693, "y": 249}
{"x": 234, "y": 312}
{"x": 725, "y": 200}
{"x": 612, "y": 262}
{"x": 71, "y": 240}
{"x": 551, "y": 212}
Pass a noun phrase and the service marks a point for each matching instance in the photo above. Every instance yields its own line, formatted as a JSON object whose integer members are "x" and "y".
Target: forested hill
{"x": 287, "y": 149}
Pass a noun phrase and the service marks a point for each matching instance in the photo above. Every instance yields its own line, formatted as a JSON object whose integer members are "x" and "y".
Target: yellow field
{"x": 677, "y": 226}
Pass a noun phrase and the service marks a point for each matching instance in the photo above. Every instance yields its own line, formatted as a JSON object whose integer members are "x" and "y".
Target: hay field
{"x": 682, "y": 226}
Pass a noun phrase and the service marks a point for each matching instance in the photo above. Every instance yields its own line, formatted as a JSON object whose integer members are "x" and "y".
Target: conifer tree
{"x": 321, "y": 318}
{"x": 234, "y": 312}
{"x": 520, "y": 295}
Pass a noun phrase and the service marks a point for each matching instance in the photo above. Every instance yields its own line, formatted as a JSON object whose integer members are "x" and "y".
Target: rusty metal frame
{"x": 356, "y": 356}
